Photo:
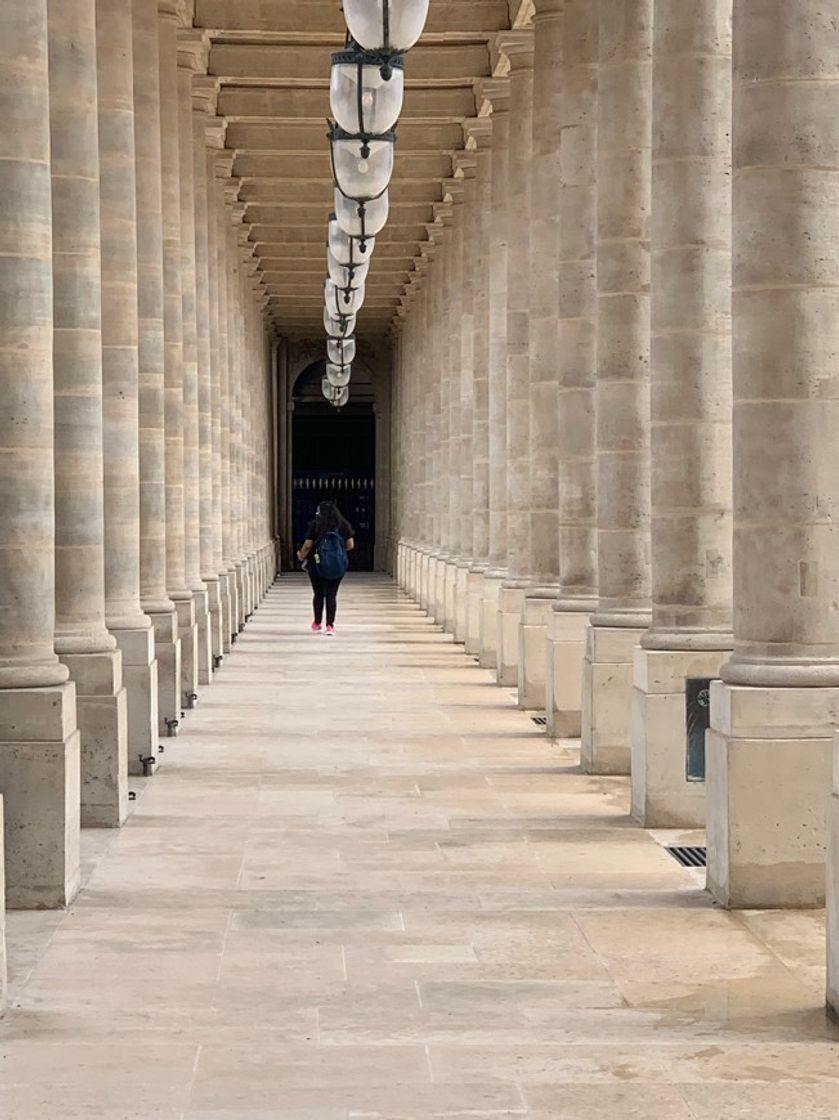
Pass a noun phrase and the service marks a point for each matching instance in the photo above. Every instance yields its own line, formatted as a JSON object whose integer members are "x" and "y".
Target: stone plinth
{"x": 533, "y": 630}
{"x": 40, "y": 784}
{"x": 490, "y": 593}
{"x": 662, "y": 796}
{"x": 833, "y": 888}
{"x": 510, "y": 608}
{"x": 168, "y": 653}
{"x": 2, "y": 918}
{"x": 768, "y": 775}
{"x": 102, "y": 715}
{"x": 139, "y": 669}
{"x": 565, "y": 645}
{"x": 474, "y": 587}
{"x": 607, "y": 698}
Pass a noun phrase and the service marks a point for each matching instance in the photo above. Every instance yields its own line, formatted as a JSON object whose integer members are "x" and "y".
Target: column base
{"x": 510, "y": 608}
{"x": 241, "y": 595}
{"x": 662, "y": 794}
{"x": 438, "y": 575}
{"x": 139, "y": 671}
{"x": 565, "y": 650}
{"x": 205, "y": 648}
{"x": 216, "y": 622}
{"x": 460, "y": 593}
{"x": 474, "y": 585}
{"x": 490, "y": 593}
{"x": 226, "y": 611}
{"x": 833, "y": 889}
{"x": 533, "y": 631}
{"x": 102, "y": 720}
{"x": 607, "y": 698}
{"x": 167, "y": 648}
{"x": 3, "y": 988}
{"x": 769, "y": 765}
{"x": 40, "y": 751}
{"x": 188, "y": 633}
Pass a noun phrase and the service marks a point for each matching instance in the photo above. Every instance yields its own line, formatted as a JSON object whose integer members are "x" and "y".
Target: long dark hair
{"x": 328, "y": 519}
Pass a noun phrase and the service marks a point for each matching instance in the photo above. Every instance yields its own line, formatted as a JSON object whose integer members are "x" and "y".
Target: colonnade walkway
{"x": 362, "y": 884}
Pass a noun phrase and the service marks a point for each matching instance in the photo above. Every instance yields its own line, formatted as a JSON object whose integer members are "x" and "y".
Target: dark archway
{"x": 334, "y": 456}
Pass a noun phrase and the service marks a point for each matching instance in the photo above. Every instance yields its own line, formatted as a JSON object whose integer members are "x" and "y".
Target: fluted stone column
{"x": 81, "y": 639}
{"x": 544, "y": 352}
{"x": 622, "y": 394}
{"x": 207, "y": 525}
{"x": 463, "y": 386}
{"x": 198, "y": 671}
{"x": 519, "y": 50}
{"x": 214, "y": 204}
{"x": 176, "y": 583}
{"x": 454, "y": 609}
{"x": 497, "y": 375}
{"x": 226, "y": 417}
{"x": 577, "y": 349}
{"x": 773, "y": 715}
{"x": 120, "y": 375}
{"x": 154, "y": 597}
{"x": 479, "y": 243}
{"x": 234, "y": 308}
{"x": 39, "y": 741}
{"x": 440, "y": 494}
{"x": 690, "y": 402}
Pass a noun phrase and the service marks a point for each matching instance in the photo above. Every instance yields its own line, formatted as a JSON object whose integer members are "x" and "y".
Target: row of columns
{"x": 652, "y": 381}
{"x": 135, "y": 446}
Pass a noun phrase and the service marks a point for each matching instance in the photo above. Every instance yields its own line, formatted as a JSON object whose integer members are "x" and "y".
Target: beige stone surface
{"x": 403, "y": 904}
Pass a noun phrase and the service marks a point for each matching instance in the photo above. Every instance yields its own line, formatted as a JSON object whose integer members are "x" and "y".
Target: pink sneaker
{"x": 316, "y": 626}
{"x": 330, "y": 631}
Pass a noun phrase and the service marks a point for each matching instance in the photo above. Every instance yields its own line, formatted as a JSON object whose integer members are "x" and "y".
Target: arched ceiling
{"x": 268, "y": 64}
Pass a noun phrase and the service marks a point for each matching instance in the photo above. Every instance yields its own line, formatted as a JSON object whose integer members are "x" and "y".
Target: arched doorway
{"x": 334, "y": 457}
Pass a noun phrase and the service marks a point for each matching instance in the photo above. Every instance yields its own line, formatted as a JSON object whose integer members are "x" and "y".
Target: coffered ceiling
{"x": 270, "y": 60}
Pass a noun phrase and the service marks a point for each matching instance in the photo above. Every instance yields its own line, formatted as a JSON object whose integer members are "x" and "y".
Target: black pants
{"x": 325, "y": 591}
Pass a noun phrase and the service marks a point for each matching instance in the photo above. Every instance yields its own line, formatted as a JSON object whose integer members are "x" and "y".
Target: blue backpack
{"x": 331, "y": 559}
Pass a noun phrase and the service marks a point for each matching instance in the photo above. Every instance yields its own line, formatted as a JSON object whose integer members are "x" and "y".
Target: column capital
{"x": 477, "y": 134}
{"x": 205, "y": 90}
{"x": 215, "y": 131}
{"x": 225, "y": 158}
{"x": 465, "y": 162}
{"x": 169, "y": 9}
{"x": 193, "y": 51}
{"x": 512, "y": 50}
{"x": 495, "y": 92}
{"x": 547, "y": 9}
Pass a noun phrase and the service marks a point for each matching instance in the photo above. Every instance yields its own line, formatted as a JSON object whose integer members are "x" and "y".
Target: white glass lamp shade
{"x": 348, "y": 250}
{"x": 364, "y": 100}
{"x": 342, "y": 327}
{"x": 341, "y": 351}
{"x": 337, "y": 395}
{"x": 362, "y": 167}
{"x": 344, "y": 276}
{"x": 392, "y": 25}
{"x": 338, "y": 376}
{"x": 342, "y": 301}
{"x": 361, "y": 219}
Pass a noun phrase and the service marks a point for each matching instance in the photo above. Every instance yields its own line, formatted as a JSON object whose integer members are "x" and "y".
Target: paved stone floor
{"x": 363, "y": 885}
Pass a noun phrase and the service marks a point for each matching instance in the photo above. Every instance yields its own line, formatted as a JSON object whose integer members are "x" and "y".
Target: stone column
{"x": 568, "y": 621}
{"x": 463, "y": 387}
{"x": 39, "y": 741}
{"x": 120, "y": 375}
{"x": 154, "y": 596}
{"x": 176, "y": 584}
{"x": 498, "y": 94}
{"x": 195, "y": 671}
{"x": 773, "y": 717}
{"x": 224, "y": 329}
{"x": 440, "y": 493}
{"x": 454, "y": 615}
{"x": 622, "y": 393}
{"x": 519, "y": 49}
{"x": 234, "y": 309}
{"x": 214, "y": 202}
{"x": 202, "y": 107}
{"x": 690, "y": 402}
{"x": 544, "y": 352}
{"x": 480, "y": 233}
{"x": 81, "y": 639}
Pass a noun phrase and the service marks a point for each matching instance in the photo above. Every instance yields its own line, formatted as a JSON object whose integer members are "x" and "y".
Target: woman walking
{"x": 329, "y": 538}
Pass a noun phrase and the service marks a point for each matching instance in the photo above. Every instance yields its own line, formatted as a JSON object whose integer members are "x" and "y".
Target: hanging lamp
{"x": 386, "y": 26}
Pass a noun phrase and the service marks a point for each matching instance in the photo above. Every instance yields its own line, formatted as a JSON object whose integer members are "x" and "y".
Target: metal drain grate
{"x": 689, "y": 857}
{"x": 540, "y": 721}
